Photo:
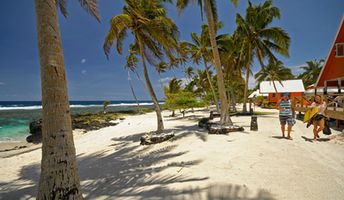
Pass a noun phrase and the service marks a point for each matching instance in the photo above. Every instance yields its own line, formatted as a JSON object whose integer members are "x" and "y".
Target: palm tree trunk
{"x": 133, "y": 92}
{"x": 273, "y": 83}
{"x": 244, "y": 108}
{"x": 260, "y": 59}
{"x": 152, "y": 93}
{"x": 225, "y": 119}
{"x": 59, "y": 178}
{"x": 211, "y": 85}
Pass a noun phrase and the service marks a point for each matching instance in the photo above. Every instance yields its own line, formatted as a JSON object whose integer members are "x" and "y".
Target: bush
{"x": 182, "y": 100}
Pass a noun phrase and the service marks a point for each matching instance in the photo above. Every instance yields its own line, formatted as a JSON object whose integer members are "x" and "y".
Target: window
{"x": 339, "y": 50}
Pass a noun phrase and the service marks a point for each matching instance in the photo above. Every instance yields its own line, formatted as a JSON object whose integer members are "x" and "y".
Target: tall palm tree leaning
{"x": 200, "y": 50}
{"x": 59, "y": 178}
{"x": 258, "y": 39}
{"x": 154, "y": 34}
{"x": 274, "y": 71}
{"x": 211, "y": 13}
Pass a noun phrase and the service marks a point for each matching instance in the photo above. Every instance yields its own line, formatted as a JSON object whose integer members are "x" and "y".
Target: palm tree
{"x": 200, "y": 50}
{"x": 202, "y": 82}
{"x": 211, "y": 13}
{"x": 155, "y": 35}
{"x": 189, "y": 73}
{"x": 274, "y": 71}
{"x": 311, "y": 71}
{"x": 161, "y": 67}
{"x": 173, "y": 87}
{"x": 131, "y": 65}
{"x": 59, "y": 178}
{"x": 258, "y": 39}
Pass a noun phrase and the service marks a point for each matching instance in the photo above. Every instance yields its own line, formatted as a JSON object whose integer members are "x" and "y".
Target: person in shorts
{"x": 286, "y": 113}
{"x": 319, "y": 119}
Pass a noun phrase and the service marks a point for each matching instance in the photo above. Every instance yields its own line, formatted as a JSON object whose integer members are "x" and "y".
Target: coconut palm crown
{"x": 155, "y": 37}
{"x": 258, "y": 39}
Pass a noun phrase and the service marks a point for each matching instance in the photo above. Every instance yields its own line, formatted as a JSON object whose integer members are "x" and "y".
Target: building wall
{"x": 334, "y": 67}
{"x": 273, "y": 97}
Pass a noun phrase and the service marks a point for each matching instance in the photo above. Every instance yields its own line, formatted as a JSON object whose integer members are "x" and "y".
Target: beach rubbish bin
{"x": 254, "y": 123}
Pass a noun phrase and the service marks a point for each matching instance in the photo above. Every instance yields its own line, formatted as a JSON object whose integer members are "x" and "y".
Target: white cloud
{"x": 166, "y": 79}
{"x": 296, "y": 69}
{"x": 83, "y": 61}
{"x": 2, "y": 83}
{"x": 83, "y": 72}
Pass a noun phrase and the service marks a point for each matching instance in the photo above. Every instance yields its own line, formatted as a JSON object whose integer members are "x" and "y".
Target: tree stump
{"x": 254, "y": 123}
{"x": 153, "y": 138}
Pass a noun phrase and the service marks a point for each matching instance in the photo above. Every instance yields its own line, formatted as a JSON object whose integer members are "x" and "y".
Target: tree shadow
{"x": 210, "y": 192}
{"x": 180, "y": 132}
{"x": 120, "y": 170}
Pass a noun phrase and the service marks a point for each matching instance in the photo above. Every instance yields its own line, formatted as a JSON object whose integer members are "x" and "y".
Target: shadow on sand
{"x": 117, "y": 174}
{"x": 318, "y": 140}
{"x": 180, "y": 132}
{"x": 126, "y": 170}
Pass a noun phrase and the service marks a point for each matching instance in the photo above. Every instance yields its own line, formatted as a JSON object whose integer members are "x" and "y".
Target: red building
{"x": 294, "y": 87}
{"x": 332, "y": 74}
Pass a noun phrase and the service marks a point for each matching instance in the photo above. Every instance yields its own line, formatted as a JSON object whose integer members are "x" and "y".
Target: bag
{"x": 327, "y": 130}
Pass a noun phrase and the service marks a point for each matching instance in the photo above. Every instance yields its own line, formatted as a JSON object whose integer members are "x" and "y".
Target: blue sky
{"x": 312, "y": 25}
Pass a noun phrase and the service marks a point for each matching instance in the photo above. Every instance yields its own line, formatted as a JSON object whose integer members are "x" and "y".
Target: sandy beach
{"x": 193, "y": 165}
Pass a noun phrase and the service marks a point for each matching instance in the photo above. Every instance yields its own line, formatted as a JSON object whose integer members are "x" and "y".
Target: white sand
{"x": 195, "y": 165}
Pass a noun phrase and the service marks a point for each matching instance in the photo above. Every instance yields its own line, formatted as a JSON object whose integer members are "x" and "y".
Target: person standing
{"x": 319, "y": 119}
{"x": 286, "y": 113}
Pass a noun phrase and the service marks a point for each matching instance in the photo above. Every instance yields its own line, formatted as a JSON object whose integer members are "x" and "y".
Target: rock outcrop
{"x": 86, "y": 122}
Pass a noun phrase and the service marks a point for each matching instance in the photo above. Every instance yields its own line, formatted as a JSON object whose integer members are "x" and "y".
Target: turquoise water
{"x": 15, "y": 116}
{"x": 13, "y": 129}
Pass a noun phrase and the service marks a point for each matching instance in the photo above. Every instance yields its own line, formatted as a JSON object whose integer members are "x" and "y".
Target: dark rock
{"x": 36, "y": 127}
{"x": 218, "y": 129}
{"x": 34, "y": 138}
{"x": 87, "y": 122}
{"x": 155, "y": 138}
{"x": 203, "y": 122}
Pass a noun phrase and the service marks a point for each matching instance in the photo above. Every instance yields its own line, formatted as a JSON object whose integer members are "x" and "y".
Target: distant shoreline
{"x": 36, "y": 105}
{"x": 15, "y": 122}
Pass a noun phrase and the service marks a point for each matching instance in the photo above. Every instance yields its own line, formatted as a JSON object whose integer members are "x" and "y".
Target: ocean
{"x": 15, "y": 116}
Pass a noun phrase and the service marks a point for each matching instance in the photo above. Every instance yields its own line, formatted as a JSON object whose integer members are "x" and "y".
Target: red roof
{"x": 334, "y": 66}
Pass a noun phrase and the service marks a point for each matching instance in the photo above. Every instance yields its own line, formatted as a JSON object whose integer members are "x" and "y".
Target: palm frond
{"x": 91, "y": 6}
{"x": 62, "y": 4}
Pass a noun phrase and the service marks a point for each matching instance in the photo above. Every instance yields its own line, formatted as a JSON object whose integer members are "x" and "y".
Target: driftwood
{"x": 153, "y": 138}
{"x": 222, "y": 129}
